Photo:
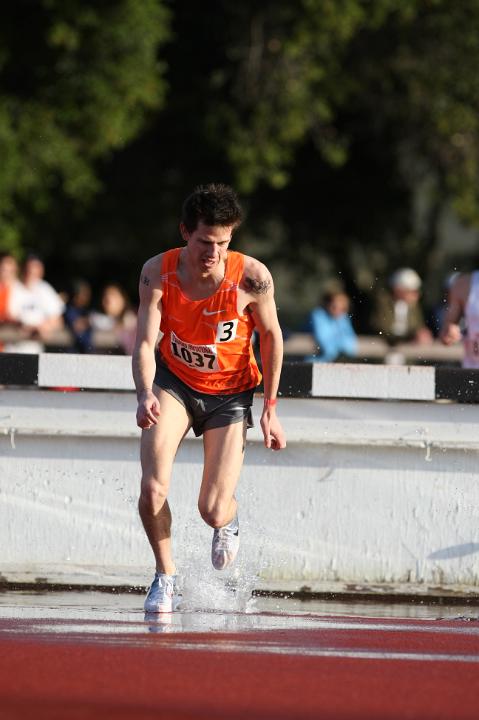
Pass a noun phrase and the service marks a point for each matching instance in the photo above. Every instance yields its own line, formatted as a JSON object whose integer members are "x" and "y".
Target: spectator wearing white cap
{"x": 397, "y": 314}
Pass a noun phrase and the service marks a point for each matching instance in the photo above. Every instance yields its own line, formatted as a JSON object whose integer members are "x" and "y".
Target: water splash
{"x": 226, "y": 591}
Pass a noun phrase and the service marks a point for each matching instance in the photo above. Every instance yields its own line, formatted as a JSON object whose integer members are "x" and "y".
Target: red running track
{"x": 340, "y": 669}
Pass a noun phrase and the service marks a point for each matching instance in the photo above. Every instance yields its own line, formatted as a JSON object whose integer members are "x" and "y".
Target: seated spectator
{"x": 332, "y": 329}
{"x": 438, "y": 311}
{"x": 117, "y": 317}
{"x": 36, "y": 307}
{"x": 78, "y": 316}
{"x": 461, "y": 319}
{"x": 397, "y": 314}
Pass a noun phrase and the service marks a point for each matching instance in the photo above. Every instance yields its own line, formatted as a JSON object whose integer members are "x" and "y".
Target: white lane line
{"x": 323, "y": 652}
{"x": 425, "y": 627}
{"x": 242, "y": 646}
{"x": 277, "y": 649}
{"x": 98, "y": 626}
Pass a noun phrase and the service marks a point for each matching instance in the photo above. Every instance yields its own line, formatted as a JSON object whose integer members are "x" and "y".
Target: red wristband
{"x": 270, "y": 402}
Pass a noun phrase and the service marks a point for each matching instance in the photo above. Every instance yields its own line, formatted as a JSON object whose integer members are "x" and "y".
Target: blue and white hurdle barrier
{"x": 377, "y": 490}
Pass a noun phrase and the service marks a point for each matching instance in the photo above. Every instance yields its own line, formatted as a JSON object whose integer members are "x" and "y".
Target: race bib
{"x": 203, "y": 358}
{"x": 226, "y": 331}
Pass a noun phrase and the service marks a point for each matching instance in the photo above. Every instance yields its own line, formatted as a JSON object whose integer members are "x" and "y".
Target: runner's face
{"x": 207, "y": 245}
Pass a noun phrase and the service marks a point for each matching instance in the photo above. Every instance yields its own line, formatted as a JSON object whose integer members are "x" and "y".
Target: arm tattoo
{"x": 257, "y": 286}
{"x": 145, "y": 280}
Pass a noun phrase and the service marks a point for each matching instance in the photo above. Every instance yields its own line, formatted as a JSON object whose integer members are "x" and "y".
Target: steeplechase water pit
{"x": 375, "y": 494}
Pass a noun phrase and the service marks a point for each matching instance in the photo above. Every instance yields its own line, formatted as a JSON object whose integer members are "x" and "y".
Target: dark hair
{"x": 329, "y": 296}
{"x": 213, "y": 204}
{"x": 76, "y": 285}
{"x": 33, "y": 256}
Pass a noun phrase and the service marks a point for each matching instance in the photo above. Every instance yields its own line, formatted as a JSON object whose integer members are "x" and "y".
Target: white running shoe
{"x": 162, "y": 595}
{"x": 225, "y": 545}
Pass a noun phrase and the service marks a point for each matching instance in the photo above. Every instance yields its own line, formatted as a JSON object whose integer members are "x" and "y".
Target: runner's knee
{"x": 153, "y": 494}
{"x": 214, "y": 514}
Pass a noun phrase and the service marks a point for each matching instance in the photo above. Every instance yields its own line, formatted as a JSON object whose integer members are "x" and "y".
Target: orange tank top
{"x": 4, "y": 299}
{"x": 4, "y": 293}
{"x": 207, "y": 343}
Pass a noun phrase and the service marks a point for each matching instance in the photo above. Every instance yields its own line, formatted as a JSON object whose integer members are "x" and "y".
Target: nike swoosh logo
{"x": 212, "y": 312}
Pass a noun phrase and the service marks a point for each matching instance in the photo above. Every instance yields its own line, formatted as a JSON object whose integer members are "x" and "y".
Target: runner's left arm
{"x": 260, "y": 287}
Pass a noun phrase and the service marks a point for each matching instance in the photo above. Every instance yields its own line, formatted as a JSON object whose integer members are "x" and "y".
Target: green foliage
{"x": 294, "y": 72}
{"x": 439, "y": 69}
{"x": 286, "y": 80}
{"x": 77, "y": 82}
{"x": 335, "y": 119}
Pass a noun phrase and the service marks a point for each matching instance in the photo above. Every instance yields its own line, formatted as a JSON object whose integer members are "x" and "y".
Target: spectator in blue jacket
{"x": 332, "y": 329}
{"x": 77, "y": 316}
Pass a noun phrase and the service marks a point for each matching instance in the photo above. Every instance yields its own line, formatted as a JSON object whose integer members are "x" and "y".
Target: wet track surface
{"x": 103, "y": 613}
{"x": 85, "y": 655}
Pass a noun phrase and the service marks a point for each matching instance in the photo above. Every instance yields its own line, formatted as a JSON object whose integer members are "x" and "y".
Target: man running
{"x": 206, "y": 300}
{"x": 463, "y": 304}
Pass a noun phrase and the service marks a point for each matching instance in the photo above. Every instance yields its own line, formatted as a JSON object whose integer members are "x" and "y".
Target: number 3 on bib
{"x": 226, "y": 331}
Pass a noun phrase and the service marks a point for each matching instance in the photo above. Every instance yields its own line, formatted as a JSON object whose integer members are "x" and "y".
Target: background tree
{"x": 77, "y": 82}
{"x": 349, "y": 127}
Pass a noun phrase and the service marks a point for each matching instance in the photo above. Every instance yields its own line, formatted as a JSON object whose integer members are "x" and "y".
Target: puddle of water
{"x": 87, "y": 613}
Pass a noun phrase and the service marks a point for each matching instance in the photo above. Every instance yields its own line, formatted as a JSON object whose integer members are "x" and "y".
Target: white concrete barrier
{"x": 370, "y": 493}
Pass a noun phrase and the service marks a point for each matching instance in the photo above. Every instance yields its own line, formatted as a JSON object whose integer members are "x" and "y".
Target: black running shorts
{"x": 206, "y": 411}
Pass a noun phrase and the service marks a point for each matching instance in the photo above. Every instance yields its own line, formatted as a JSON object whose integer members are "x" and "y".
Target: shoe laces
{"x": 164, "y": 586}
{"x": 223, "y": 537}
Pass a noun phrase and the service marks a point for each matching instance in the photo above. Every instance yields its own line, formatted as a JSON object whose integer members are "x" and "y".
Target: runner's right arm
{"x": 143, "y": 360}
